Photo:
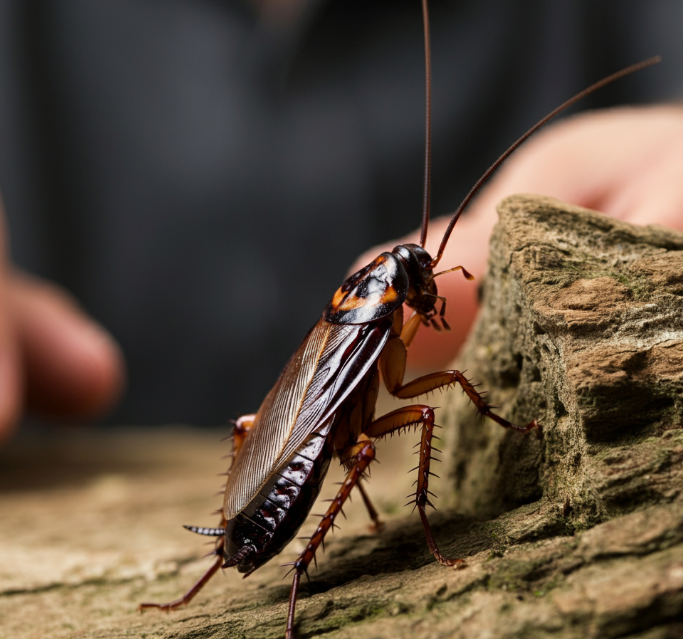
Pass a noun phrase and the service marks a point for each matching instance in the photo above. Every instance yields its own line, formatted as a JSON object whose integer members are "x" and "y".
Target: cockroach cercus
{"x": 323, "y": 403}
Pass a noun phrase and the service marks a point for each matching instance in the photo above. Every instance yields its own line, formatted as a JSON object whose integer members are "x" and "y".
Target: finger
{"x": 10, "y": 378}
{"x": 559, "y": 162}
{"x": 655, "y": 194}
{"x": 614, "y": 160}
{"x": 10, "y": 375}
{"x": 72, "y": 367}
{"x": 591, "y": 158}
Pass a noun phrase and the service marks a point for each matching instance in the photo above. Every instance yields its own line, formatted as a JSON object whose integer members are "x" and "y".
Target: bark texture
{"x": 582, "y": 328}
{"x": 572, "y": 532}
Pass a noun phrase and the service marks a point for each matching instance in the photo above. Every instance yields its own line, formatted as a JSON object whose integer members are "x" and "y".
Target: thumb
{"x": 72, "y": 367}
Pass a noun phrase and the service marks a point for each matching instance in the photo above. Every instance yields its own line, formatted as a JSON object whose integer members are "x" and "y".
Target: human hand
{"x": 625, "y": 162}
{"x": 54, "y": 360}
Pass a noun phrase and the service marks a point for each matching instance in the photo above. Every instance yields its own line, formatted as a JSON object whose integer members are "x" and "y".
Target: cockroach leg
{"x": 433, "y": 548}
{"x": 396, "y": 421}
{"x": 422, "y": 493}
{"x": 289, "y": 631}
{"x": 359, "y": 457}
{"x": 409, "y": 329}
{"x": 399, "y": 420}
{"x": 392, "y": 364}
{"x": 481, "y": 404}
{"x": 439, "y": 380}
{"x": 377, "y": 523}
{"x": 242, "y": 427}
{"x": 201, "y": 582}
{"x": 442, "y": 314}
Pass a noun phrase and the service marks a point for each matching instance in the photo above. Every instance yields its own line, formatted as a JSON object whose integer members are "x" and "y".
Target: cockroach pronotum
{"x": 323, "y": 403}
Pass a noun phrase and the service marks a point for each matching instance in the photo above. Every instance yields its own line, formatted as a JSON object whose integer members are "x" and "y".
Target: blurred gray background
{"x": 201, "y": 178}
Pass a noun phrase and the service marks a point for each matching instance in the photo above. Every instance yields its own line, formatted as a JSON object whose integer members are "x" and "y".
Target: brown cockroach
{"x": 323, "y": 403}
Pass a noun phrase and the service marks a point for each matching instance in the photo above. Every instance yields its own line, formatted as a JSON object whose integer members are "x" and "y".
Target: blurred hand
{"x": 54, "y": 360}
{"x": 626, "y": 162}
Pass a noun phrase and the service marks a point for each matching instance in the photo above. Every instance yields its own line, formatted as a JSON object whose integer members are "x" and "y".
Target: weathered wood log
{"x": 581, "y": 327}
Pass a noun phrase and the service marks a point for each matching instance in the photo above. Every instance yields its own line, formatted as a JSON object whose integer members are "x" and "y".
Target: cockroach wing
{"x": 325, "y": 369}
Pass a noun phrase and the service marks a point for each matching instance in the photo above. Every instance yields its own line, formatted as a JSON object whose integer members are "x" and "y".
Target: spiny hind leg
{"x": 358, "y": 459}
{"x": 242, "y": 427}
{"x": 400, "y": 420}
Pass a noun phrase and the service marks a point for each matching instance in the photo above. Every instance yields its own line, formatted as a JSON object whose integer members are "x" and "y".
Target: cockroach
{"x": 323, "y": 403}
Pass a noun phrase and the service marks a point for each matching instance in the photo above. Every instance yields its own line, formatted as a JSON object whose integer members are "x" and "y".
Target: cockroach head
{"x": 422, "y": 289}
{"x": 415, "y": 259}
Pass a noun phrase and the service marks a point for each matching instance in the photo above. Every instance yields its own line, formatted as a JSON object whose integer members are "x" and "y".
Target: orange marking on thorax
{"x": 390, "y": 295}
{"x": 352, "y": 302}
{"x": 338, "y": 298}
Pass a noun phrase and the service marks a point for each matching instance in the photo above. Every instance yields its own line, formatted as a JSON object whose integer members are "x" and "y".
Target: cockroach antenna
{"x": 426, "y": 197}
{"x": 482, "y": 180}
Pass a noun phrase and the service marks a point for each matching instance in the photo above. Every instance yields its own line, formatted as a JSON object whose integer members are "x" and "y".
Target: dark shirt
{"x": 202, "y": 181}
